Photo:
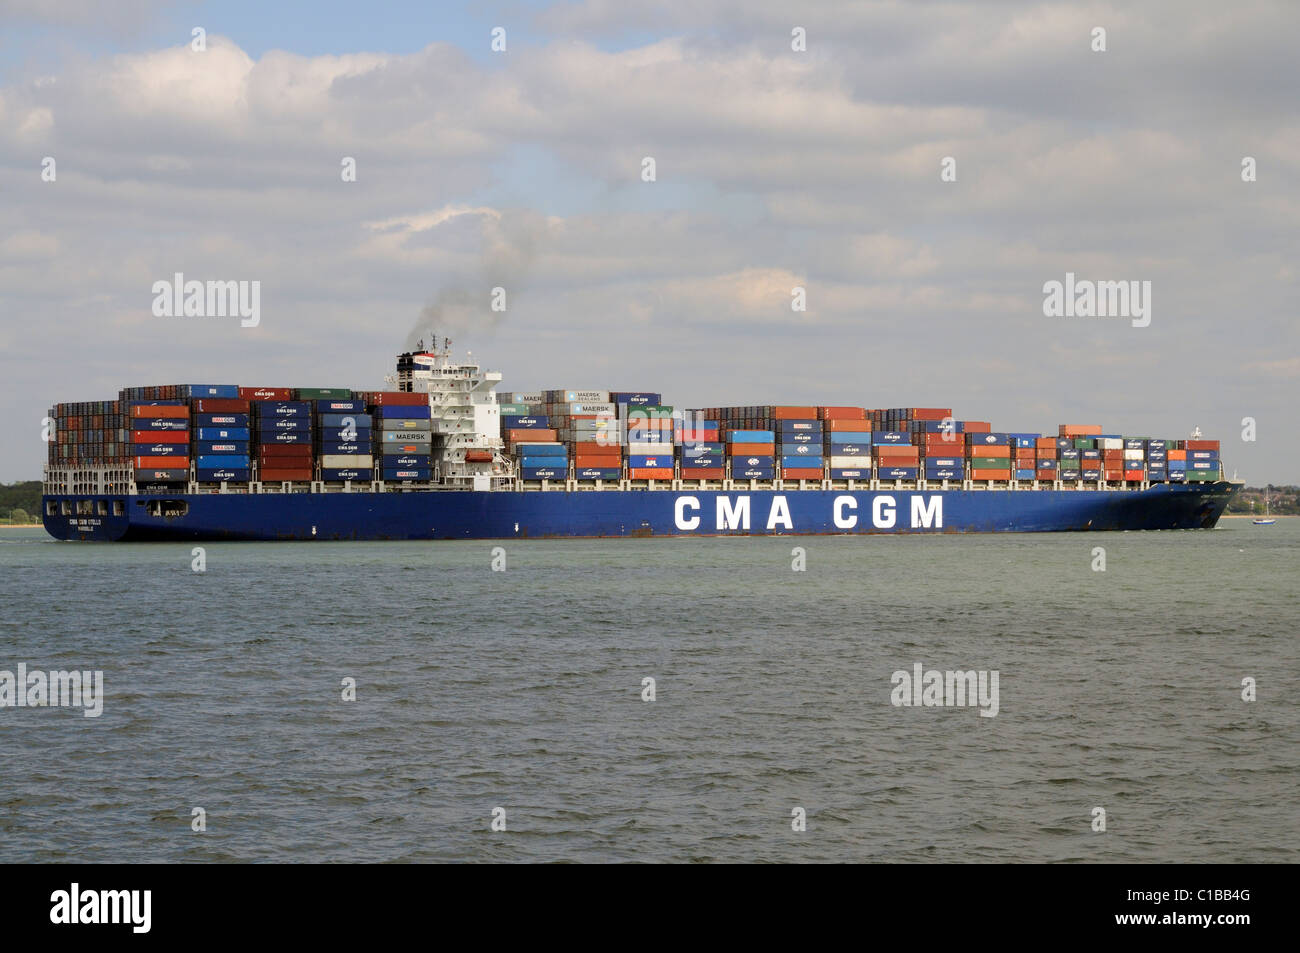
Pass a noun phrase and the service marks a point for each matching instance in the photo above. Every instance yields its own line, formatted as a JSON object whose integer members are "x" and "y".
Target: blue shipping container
{"x": 641, "y": 461}
{"x": 357, "y": 421}
{"x": 539, "y": 473}
{"x": 944, "y": 473}
{"x": 337, "y": 475}
{"x": 222, "y": 462}
{"x": 223, "y": 433}
{"x": 346, "y": 435}
{"x": 752, "y": 473}
{"x": 221, "y": 420}
{"x": 282, "y": 408}
{"x": 290, "y": 436}
{"x": 849, "y": 450}
{"x": 160, "y": 449}
{"x": 592, "y": 473}
{"x": 897, "y": 473}
{"x": 890, "y": 437}
{"x": 697, "y": 450}
{"x": 224, "y": 475}
{"x": 752, "y": 436}
{"x": 345, "y": 446}
{"x": 206, "y": 447}
{"x": 793, "y": 460}
{"x": 407, "y": 473}
{"x": 1071, "y": 474}
{"x": 211, "y": 390}
{"x": 405, "y": 461}
{"x": 529, "y": 463}
{"x": 404, "y": 411}
{"x": 283, "y": 424}
{"x": 1022, "y": 474}
{"x": 800, "y": 437}
{"x": 988, "y": 440}
{"x": 160, "y": 423}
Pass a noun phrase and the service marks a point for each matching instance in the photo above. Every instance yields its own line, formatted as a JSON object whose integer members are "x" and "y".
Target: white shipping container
{"x": 347, "y": 461}
{"x": 534, "y": 397}
{"x": 1134, "y": 455}
{"x": 587, "y": 396}
{"x": 845, "y": 463}
{"x": 1110, "y": 443}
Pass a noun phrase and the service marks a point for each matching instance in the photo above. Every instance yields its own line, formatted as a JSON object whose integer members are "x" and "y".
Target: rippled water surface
{"x": 522, "y": 690}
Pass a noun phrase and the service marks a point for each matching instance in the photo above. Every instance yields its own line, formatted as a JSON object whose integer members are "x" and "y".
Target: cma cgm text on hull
{"x": 734, "y": 513}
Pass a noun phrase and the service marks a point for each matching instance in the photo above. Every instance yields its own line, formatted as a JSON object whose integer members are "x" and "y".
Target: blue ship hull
{"x": 610, "y": 513}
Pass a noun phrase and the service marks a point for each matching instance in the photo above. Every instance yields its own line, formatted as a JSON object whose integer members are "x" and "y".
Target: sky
{"x": 775, "y": 168}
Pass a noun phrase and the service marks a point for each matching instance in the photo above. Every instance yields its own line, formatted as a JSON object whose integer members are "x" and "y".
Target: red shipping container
{"x": 651, "y": 473}
{"x": 1112, "y": 456}
{"x": 801, "y": 473}
{"x": 696, "y": 473}
{"x": 1134, "y": 475}
{"x": 160, "y": 436}
{"x": 285, "y": 451}
{"x": 841, "y": 413}
{"x": 266, "y": 393}
{"x": 1109, "y": 474}
{"x": 393, "y": 398}
{"x": 1079, "y": 430}
{"x": 751, "y": 449}
{"x": 585, "y": 460}
{"x": 276, "y": 476}
{"x": 846, "y": 425}
{"x": 990, "y": 474}
{"x": 931, "y": 413}
{"x": 794, "y": 413}
{"x": 162, "y": 463}
{"x": 168, "y": 411}
{"x": 1200, "y": 445}
{"x": 1046, "y": 474}
{"x": 220, "y": 405}
{"x": 978, "y": 426}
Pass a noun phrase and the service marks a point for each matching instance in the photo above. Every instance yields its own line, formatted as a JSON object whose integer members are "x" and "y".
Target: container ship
{"x": 442, "y": 455}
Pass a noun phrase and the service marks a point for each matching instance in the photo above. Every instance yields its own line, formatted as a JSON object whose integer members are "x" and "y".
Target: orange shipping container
{"x": 801, "y": 473}
{"x": 981, "y": 451}
{"x": 1046, "y": 475}
{"x": 794, "y": 413}
{"x": 751, "y": 449}
{"x": 1177, "y": 455}
{"x": 523, "y": 435}
{"x": 896, "y": 452}
{"x": 1079, "y": 430}
{"x": 990, "y": 474}
{"x": 162, "y": 463}
{"x": 169, "y": 411}
{"x": 931, "y": 413}
{"x": 847, "y": 425}
{"x": 1045, "y": 443}
{"x": 978, "y": 426}
{"x": 841, "y": 413}
{"x": 651, "y": 474}
{"x": 700, "y": 473}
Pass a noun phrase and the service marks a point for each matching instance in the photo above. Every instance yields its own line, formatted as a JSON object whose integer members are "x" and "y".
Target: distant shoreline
{"x": 1257, "y": 516}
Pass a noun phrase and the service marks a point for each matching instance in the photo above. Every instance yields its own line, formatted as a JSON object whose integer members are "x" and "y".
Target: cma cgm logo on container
{"x": 735, "y": 513}
{"x": 179, "y": 298}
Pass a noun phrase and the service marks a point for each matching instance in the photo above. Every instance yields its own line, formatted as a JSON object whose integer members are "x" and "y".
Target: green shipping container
{"x": 1084, "y": 443}
{"x": 324, "y": 393}
{"x": 1202, "y": 476}
{"x": 649, "y": 412}
{"x": 516, "y": 410}
{"x": 989, "y": 463}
